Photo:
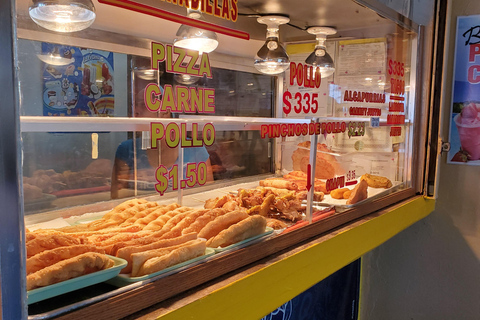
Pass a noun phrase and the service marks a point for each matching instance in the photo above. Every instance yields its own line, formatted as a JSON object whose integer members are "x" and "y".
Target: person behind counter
{"x": 147, "y": 160}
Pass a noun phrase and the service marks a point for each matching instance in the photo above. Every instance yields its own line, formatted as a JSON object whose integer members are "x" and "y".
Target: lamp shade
{"x": 196, "y": 39}
{"x": 272, "y": 57}
{"x": 320, "y": 57}
{"x": 63, "y": 15}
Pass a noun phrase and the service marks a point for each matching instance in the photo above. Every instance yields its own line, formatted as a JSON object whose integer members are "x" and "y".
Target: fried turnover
{"x": 240, "y": 231}
{"x": 70, "y": 268}
{"x": 181, "y": 254}
{"x": 139, "y": 258}
{"x": 202, "y": 221}
{"x": 376, "y": 181}
{"x": 47, "y": 242}
{"x": 279, "y": 183}
{"x": 126, "y": 252}
{"x": 189, "y": 218}
{"x": 222, "y": 222}
{"x": 359, "y": 193}
{"x": 168, "y": 221}
{"x": 50, "y": 257}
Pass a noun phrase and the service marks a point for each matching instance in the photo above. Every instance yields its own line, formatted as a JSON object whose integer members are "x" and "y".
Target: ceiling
{"x": 349, "y": 18}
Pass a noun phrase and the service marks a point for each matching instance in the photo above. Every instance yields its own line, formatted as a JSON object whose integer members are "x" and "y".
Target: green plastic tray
{"x": 124, "y": 279}
{"x": 57, "y": 289}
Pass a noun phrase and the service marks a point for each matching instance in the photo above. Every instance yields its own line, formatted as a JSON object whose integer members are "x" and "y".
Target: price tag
{"x": 196, "y": 174}
{"x": 374, "y": 122}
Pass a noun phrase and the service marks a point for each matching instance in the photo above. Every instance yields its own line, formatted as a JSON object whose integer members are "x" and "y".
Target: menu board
{"x": 77, "y": 81}
{"x": 465, "y": 110}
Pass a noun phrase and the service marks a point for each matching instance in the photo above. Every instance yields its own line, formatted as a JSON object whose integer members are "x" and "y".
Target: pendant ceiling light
{"x": 272, "y": 57}
{"x": 63, "y": 15}
{"x": 320, "y": 57}
{"x": 193, "y": 38}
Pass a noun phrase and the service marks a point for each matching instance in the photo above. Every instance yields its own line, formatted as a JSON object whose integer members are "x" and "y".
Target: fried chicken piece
{"x": 376, "y": 181}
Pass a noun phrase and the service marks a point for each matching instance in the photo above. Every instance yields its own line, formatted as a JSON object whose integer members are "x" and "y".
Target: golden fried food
{"x": 359, "y": 193}
{"x": 279, "y": 183}
{"x": 202, "y": 221}
{"x": 264, "y": 208}
{"x": 338, "y": 193}
{"x": 376, "y": 181}
{"x": 126, "y": 253}
{"x": 222, "y": 222}
{"x": 124, "y": 206}
{"x": 216, "y": 202}
{"x": 139, "y": 258}
{"x": 142, "y": 220}
{"x": 347, "y": 194}
{"x": 67, "y": 269}
{"x": 326, "y": 164}
{"x": 184, "y": 253}
{"x": 48, "y": 242}
{"x": 169, "y": 220}
{"x": 118, "y": 217}
{"x": 276, "y": 224}
{"x": 50, "y": 257}
{"x": 189, "y": 218}
{"x": 240, "y": 231}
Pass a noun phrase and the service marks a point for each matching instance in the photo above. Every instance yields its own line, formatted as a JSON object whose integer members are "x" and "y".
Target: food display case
{"x": 142, "y": 161}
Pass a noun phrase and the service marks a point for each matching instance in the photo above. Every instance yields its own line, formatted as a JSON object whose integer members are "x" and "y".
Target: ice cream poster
{"x": 465, "y": 110}
{"x": 77, "y": 81}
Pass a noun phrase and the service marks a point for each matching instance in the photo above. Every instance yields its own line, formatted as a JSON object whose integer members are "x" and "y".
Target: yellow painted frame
{"x": 257, "y": 294}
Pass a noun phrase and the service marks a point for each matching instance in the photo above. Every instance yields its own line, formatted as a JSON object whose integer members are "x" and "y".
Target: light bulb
{"x": 272, "y": 57}
{"x": 63, "y": 15}
{"x": 320, "y": 57}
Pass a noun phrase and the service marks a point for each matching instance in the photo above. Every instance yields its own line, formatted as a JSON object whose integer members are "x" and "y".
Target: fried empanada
{"x": 67, "y": 269}
{"x": 179, "y": 255}
{"x": 222, "y": 222}
{"x": 126, "y": 253}
{"x": 50, "y": 257}
{"x": 240, "y": 231}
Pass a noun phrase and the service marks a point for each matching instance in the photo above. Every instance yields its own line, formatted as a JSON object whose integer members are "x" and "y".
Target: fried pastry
{"x": 279, "y": 183}
{"x": 202, "y": 221}
{"x": 338, "y": 193}
{"x": 359, "y": 193}
{"x": 67, "y": 269}
{"x": 150, "y": 215}
{"x": 126, "y": 253}
{"x": 169, "y": 221}
{"x": 139, "y": 258}
{"x": 222, "y": 222}
{"x": 240, "y": 231}
{"x": 50, "y": 257}
{"x": 48, "y": 242}
{"x": 276, "y": 224}
{"x": 179, "y": 255}
{"x": 376, "y": 181}
{"x": 189, "y": 218}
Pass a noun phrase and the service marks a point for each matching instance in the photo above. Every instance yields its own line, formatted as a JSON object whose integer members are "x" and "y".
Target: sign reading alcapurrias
{"x": 180, "y": 99}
